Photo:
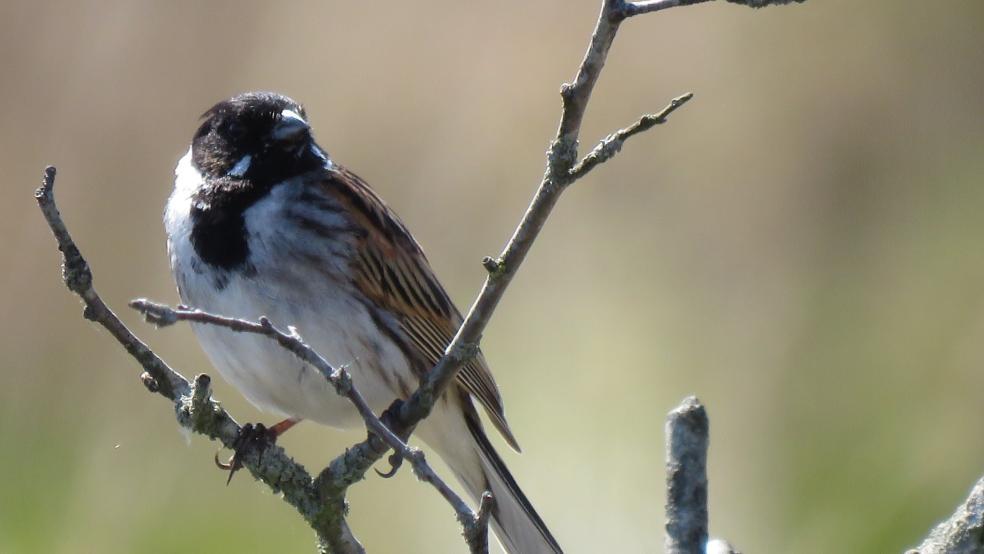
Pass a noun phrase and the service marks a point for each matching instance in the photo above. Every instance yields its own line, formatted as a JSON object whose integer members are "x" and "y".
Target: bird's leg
{"x": 253, "y": 436}
{"x": 283, "y": 426}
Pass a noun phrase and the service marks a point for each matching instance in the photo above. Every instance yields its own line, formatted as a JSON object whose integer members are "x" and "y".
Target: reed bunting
{"x": 262, "y": 222}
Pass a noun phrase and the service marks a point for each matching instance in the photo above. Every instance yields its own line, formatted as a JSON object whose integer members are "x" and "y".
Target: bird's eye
{"x": 235, "y": 130}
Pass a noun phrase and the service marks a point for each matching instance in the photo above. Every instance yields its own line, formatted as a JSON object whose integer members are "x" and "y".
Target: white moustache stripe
{"x": 291, "y": 114}
{"x": 241, "y": 167}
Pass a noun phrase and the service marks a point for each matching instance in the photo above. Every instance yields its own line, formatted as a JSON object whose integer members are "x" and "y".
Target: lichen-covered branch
{"x": 963, "y": 533}
{"x": 291, "y": 340}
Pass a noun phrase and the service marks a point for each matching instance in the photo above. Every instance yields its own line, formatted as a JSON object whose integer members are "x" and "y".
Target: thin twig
{"x": 612, "y": 144}
{"x": 686, "y": 478}
{"x": 477, "y": 531}
{"x": 630, "y": 9}
{"x": 78, "y": 278}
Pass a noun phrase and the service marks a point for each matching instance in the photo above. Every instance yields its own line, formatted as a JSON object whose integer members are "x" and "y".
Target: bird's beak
{"x": 290, "y": 127}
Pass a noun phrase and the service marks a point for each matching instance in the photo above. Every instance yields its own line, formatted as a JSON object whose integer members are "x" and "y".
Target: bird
{"x": 262, "y": 222}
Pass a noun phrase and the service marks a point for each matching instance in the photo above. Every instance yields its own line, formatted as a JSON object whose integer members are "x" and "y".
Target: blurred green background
{"x": 800, "y": 247}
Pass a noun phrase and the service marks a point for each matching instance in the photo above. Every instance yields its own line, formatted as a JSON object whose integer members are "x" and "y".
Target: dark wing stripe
{"x": 392, "y": 285}
{"x": 413, "y": 286}
{"x": 374, "y": 272}
{"x": 446, "y": 309}
{"x": 418, "y": 288}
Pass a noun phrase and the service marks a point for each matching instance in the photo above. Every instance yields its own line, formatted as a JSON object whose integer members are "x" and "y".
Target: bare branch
{"x": 78, "y": 278}
{"x": 162, "y": 315}
{"x": 559, "y": 174}
{"x": 764, "y": 3}
{"x": 344, "y": 543}
{"x": 686, "y": 478}
{"x": 963, "y": 533}
{"x": 612, "y": 144}
{"x": 477, "y": 531}
{"x": 629, "y": 9}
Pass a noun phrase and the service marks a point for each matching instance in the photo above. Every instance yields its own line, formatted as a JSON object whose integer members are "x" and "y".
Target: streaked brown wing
{"x": 393, "y": 272}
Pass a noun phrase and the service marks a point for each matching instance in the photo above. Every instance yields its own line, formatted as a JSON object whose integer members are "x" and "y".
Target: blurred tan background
{"x": 800, "y": 247}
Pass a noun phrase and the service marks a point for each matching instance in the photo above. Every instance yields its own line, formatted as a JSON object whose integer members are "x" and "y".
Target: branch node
{"x": 201, "y": 392}
{"x": 566, "y": 91}
{"x": 89, "y": 313}
{"x": 341, "y": 379}
{"x": 465, "y": 351}
{"x": 618, "y": 10}
{"x": 495, "y": 266}
{"x": 476, "y": 531}
{"x": 560, "y": 159}
{"x": 148, "y": 381}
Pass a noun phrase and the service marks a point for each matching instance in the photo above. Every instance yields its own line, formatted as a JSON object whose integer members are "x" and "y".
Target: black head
{"x": 262, "y": 137}
{"x": 245, "y": 146}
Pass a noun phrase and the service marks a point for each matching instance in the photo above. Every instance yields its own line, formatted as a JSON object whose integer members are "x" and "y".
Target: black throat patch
{"x": 218, "y": 231}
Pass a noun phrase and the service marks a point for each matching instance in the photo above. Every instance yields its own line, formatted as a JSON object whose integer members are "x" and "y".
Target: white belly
{"x": 274, "y": 379}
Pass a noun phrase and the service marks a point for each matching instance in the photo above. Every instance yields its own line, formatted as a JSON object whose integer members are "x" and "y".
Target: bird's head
{"x": 260, "y": 136}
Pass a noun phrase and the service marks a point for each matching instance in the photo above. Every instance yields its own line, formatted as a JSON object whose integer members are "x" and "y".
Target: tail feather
{"x": 516, "y": 523}
{"x": 455, "y": 432}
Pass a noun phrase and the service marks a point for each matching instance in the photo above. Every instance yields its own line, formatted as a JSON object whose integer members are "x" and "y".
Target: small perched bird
{"x": 262, "y": 222}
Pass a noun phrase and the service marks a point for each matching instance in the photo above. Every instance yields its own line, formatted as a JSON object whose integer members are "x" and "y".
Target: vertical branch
{"x": 686, "y": 478}
{"x": 559, "y": 174}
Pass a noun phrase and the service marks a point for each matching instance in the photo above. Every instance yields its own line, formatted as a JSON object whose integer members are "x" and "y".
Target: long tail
{"x": 462, "y": 443}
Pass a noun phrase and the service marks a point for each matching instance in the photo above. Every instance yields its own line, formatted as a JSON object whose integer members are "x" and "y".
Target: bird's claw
{"x": 390, "y": 418}
{"x": 395, "y": 461}
{"x": 250, "y": 436}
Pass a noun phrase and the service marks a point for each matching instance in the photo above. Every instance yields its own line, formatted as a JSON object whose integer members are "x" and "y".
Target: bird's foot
{"x": 391, "y": 419}
{"x": 251, "y": 436}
